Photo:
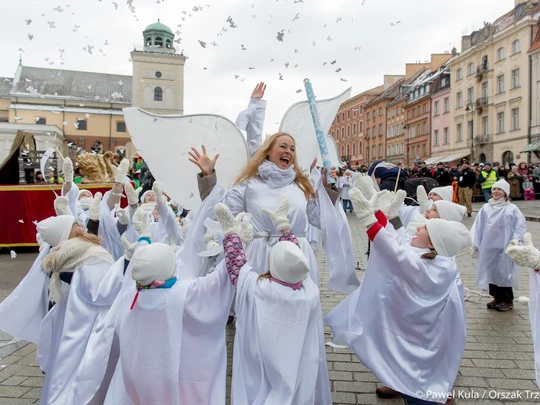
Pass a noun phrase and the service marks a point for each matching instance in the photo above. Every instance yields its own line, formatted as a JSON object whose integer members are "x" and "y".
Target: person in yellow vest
{"x": 487, "y": 179}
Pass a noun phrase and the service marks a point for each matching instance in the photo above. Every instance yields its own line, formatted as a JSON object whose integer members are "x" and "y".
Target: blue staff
{"x": 321, "y": 138}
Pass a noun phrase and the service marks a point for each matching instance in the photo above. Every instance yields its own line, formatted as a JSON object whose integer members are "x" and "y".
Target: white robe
{"x": 172, "y": 344}
{"x": 279, "y": 354}
{"x": 23, "y": 310}
{"x": 493, "y": 229}
{"x": 534, "y": 314}
{"x": 253, "y": 195}
{"x": 406, "y": 322}
{"x": 73, "y": 350}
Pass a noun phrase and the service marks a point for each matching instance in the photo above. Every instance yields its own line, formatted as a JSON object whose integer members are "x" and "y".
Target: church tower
{"x": 158, "y": 72}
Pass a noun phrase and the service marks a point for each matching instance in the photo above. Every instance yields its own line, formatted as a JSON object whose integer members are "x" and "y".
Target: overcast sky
{"x": 322, "y": 31}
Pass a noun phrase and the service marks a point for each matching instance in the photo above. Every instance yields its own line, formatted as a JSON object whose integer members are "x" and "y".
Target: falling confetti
{"x": 21, "y": 221}
{"x": 13, "y": 254}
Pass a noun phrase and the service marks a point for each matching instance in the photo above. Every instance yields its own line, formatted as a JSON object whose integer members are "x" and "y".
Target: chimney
{"x": 466, "y": 41}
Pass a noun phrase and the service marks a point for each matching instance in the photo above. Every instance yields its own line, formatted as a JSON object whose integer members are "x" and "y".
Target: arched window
{"x": 483, "y": 158}
{"x": 507, "y": 158}
{"x": 158, "y": 41}
{"x": 158, "y": 94}
{"x": 168, "y": 44}
{"x": 148, "y": 41}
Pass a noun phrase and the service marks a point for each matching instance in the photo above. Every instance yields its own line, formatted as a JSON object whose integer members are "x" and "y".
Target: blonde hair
{"x": 89, "y": 237}
{"x": 252, "y": 168}
{"x": 263, "y": 276}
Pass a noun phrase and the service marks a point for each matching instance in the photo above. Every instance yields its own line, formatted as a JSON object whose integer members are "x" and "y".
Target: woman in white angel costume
{"x": 279, "y": 352}
{"x": 273, "y": 171}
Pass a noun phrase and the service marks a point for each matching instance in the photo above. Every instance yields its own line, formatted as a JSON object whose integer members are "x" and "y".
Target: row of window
{"x": 436, "y": 136}
{"x": 395, "y": 149}
{"x": 82, "y": 125}
{"x": 500, "y": 88}
{"x": 354, "y": 111}
{"x": 485, "y": 125}
{"x": 516, "y": 48}
{"x": 374, "y": 113}
{"x": 337, "y": 132}
{"x": 446, "y": 103}
{"x": 374, "y": 152}
{"x": 420, "y": 91}
{"x": 347, "y": 148}
{"x": 373, "y": 130}
{"x": 417, "y": 111}
{"x": 392, "y": 112}
{"x": 394, "y": 130}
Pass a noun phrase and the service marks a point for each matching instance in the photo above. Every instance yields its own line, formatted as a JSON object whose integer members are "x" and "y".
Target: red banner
{"x": 21, "y": 207}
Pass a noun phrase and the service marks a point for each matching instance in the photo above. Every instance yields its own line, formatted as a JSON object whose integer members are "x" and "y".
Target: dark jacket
{"x": 389, "y": 177}
{"x": 442, "y": 177}
{"x": 467, "y": 178}
{"x": 424, "y": 172}
{"x": 454, "y": 173}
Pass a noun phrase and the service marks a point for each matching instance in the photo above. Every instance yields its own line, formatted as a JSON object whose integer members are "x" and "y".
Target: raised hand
{"x": 140, "y": 223}
{"x": 129, "y": 248}
{"x": 67, "y": 168}
{"x": 526, "y": 255}
{"x": 121, "y": 215}
{"x": 226, "y": 219}
{"x": 365, "y": 184}
{"x": 120, "y": 172}
{"x": 203, "y": 161}
{"x": 279, "y": 217}
{"x": 61, "y": 205}
{"x": 391, "y": 211}
{"x": 94, "y": 210}
{"x": 245, "y": 229}
{"x": 313, "y": 165}
{"x": 422, "y": 198}
{"x": 258, "y": 92}
{"x": 158, "y": 193}
{"x": 362, "y": 207}
{"x": 132, "y": 194}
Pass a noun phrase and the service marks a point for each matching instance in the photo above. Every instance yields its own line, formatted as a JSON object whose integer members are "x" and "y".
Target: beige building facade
{"x": 76, "y": 111}
{"x": 490, "y": 88}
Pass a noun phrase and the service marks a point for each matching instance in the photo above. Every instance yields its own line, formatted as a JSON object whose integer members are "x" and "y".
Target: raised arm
{"x": 207, "y": 178}
{"x": 251, "y": 119}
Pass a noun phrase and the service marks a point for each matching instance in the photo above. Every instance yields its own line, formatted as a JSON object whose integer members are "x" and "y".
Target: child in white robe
{"x": 497, "y": 223}
{"x": 279, "y": 355}
{"x": 419, "y": 319}
{"x": 70, "y": 348}
{"x": 171, "y": 331}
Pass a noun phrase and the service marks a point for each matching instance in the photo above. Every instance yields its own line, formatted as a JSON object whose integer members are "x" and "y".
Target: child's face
{"x": 432, "y": 213}
{"x": 422, "y": 240}
{"x": 497, "y": 193}
{"x": 434, "y": 197}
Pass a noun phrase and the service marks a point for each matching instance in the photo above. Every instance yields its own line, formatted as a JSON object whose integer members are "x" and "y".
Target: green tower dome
{"x": 158, "y": 27}
{"x": 158, "y": 36}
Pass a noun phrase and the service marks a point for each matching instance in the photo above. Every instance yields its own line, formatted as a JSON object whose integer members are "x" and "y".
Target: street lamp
{"x": 406, "y": 127}
{"x": 469, "y": 107}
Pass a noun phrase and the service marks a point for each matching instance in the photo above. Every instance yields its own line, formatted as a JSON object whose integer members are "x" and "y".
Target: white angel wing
{"x": 165, "y": 140}
{"x": 332, "y": 152}
{"x": 297, "y": 121}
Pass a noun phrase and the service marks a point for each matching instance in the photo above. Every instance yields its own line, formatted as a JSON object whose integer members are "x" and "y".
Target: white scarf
{"x": 500, "y": 201}
{"x": 69, "y": 256}
{"x": 276, "y": 177}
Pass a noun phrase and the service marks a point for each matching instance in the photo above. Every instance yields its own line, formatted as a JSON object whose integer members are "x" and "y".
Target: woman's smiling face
{"x": 282, "y": 153}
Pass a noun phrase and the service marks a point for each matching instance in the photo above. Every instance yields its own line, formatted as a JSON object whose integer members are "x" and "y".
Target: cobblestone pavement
{"x": 497, "y": 367}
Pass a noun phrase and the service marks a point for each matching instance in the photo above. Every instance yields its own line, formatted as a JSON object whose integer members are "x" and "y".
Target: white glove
{"x": 226, "y": 219}
{"x": 67, "y": 168}
{"x": 245, "y": 229}
{"x": 132, "y": 194}
{"x": 526, "y": 255}
{"x": 120, "y": 172}
{"x": 362, "y": 207}
{"x": 129, "y": 248}
{"x": 473, "y": 251}
{"x": 94, "y": 210}
{"x": 422, "y": 198}
{"x": 391, "y": 211}
{"x": 279, "y": 217}
{"x": 140, "y": 223}
{"x": 158, "y": 192}
{"x": 365, "y": 184}
{"x": 61, "y": 206}
{"x": 121, "y": 215}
